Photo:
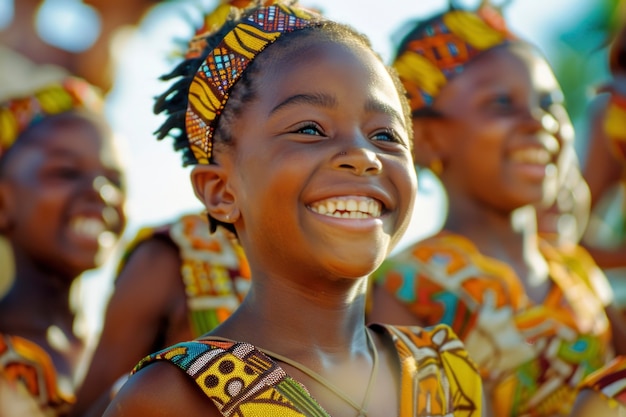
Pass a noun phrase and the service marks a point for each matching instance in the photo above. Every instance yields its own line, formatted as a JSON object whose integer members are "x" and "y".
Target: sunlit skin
{"x": 325, "y": 125}
{"x": 61, "y": 208}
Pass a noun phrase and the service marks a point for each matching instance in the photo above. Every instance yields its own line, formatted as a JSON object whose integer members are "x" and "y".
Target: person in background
{"x": 490, "y": 120}
{"x": 197, "y": 278}
{"x": 306, "y": 157}
{"x": 61, "y": 211}
{"x": 605, "y": 166}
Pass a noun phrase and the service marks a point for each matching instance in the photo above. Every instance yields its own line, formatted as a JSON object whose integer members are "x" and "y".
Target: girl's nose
{"x": 359, "y": 160}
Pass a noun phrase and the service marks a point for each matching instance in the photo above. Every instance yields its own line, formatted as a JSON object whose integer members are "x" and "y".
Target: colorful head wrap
{"x": 214, "y": 21}
{"x": 439, "y": 48}
{"x": 224, "y": 65}
{"x": 18, "y": 114}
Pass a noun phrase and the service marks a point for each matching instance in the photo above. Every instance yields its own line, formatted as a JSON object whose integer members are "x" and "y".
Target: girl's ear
{"x": 210, "y": 184}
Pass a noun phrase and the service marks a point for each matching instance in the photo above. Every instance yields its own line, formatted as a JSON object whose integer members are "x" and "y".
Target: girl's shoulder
{"x": 238, "y": 376}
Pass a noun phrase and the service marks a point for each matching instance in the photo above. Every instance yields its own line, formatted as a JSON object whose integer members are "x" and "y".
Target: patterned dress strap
{"x": 437, "y": 376}
{"x": 239, "y": 379}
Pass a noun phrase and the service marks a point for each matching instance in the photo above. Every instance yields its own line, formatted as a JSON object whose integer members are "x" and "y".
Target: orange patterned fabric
{"x": 27, "y": 366}
{"x": 533, "y": 355}
{"x": 438, "y": 378}
{"x": 214, "y": 268}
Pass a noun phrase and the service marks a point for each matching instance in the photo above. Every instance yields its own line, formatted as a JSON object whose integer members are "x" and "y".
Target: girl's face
{"x": 504, "y": 127}
{"x": 62, "y": 195}
{"x": 321, "y": 174}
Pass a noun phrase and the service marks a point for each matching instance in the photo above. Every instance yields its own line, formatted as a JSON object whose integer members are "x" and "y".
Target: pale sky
{"x": 159, "y": 187}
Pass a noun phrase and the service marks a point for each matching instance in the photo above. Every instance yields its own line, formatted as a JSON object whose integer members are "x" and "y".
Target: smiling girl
{"x": 301, "y": 136}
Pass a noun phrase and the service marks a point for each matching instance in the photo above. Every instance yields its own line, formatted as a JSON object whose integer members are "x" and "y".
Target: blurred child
{"x": 61, "y": 209}
{"x": 490, "y": 121}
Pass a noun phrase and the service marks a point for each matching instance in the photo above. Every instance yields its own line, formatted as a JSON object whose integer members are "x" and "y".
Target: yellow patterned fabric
{"x": 439, "y": 49}
{"x": 18, "y": 114}
{"x": 437, "y": 377}
{"x": 532, "y": 355}
{"x": 224, "y": 65}
{"x": 214, "y": 21}
{"x": 27, "y": 367}
{"x": 214, "y": 268}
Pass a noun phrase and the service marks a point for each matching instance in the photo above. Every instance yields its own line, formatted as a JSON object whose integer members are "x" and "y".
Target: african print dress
{"x": 610, "y": 383}
{"x": 438, "y": 378}
{"x": 29, "y": 372}
{"x": 531, "y": 356}
{"x": 214, "y": 269}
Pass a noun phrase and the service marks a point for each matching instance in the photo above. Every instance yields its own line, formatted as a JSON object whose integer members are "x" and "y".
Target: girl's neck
{"x": 334, "y": 323}
{"x": 37, "y": 299}
{"x": 490, "y": 228}
{"x": 510, "y": 238}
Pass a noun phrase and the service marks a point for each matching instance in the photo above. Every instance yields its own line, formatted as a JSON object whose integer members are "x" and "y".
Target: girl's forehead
{"x": 317, "y": 57}
{"x": 511, "y": 62}
{"x": 71, "y": 136}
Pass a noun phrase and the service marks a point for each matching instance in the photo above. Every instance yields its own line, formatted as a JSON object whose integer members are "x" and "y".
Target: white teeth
{"x": 88, "y": 227}
{"x": 532, "y": 156}
{"x": 348, "y": 207}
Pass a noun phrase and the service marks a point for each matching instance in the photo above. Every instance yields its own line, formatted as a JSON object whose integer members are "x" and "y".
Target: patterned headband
{"x": 18, "y": 114}
{"x": 440, "y": 48}
{"x": 225, "y": 64}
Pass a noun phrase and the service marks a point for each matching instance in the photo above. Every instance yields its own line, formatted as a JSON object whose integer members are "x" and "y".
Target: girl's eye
{"x": 64, "y": 172}
{"x": 502, "y": 101}
{"x": 310, "y": 128}
{"x": 551, "y": 99}
{"x": 386, "y": 135}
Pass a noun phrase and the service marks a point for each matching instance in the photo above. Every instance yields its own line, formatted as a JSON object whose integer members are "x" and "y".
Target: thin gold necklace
{"x": 362, "y": 409}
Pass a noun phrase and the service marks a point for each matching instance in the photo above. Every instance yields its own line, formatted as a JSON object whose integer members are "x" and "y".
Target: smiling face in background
{"x": 62, "y": 194}
{"x": 503, "y": 129}
{"x": 326, "y": 129}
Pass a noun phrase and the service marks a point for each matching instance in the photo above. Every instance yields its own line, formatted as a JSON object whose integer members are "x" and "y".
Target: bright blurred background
{"x": 572, "y": 33}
